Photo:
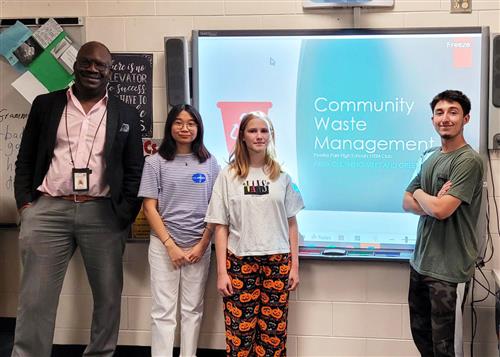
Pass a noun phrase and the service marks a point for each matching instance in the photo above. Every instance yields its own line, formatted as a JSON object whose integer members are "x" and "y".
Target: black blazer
{"x": 123, "y": 153}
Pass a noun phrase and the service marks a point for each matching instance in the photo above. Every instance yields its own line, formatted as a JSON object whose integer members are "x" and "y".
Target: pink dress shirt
{"x": 82, "y": 128}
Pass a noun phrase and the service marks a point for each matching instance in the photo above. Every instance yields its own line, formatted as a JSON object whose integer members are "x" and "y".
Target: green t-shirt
{"x": 447, "y": 249}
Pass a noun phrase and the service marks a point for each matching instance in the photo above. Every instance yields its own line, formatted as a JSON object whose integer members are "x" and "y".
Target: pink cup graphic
{"x": 231, "y": 117}
{"x": 462, "y": 52}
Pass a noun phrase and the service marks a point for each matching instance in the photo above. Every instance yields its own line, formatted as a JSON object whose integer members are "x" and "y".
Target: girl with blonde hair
{"x": 254, "y": 204}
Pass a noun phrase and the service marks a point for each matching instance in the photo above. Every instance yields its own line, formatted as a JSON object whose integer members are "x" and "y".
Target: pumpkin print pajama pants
{"x": 256, "y": 314}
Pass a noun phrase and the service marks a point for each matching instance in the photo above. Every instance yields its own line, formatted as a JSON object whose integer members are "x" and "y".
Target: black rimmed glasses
{"x": 84, "y": 63}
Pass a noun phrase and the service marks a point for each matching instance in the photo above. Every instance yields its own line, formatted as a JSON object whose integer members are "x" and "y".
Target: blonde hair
{"x": 239, "y": 161}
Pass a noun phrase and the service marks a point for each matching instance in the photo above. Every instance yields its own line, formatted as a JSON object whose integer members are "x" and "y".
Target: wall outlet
{"x": 496, "y": 142}
{"x": 461, "y": 6}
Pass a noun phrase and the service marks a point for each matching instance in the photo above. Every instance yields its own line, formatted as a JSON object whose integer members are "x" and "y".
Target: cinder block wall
{"x": 340, "y": 308}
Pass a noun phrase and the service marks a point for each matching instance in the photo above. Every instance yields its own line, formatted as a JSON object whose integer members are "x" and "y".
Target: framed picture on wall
{"x": 315, "y": 4}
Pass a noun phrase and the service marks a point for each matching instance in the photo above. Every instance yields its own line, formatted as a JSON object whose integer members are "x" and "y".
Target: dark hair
{"x": 452, "y": 96}
{"x": 168, "y": 146}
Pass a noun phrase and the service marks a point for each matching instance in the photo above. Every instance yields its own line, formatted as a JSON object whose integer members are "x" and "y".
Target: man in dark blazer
{"x": 77, "y": 176}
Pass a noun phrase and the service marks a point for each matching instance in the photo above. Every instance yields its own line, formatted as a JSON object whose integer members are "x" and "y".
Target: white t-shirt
{"x": 256, "y": 210}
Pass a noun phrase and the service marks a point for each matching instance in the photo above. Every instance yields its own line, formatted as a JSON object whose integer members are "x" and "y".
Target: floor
{"x": 7, "y": 326}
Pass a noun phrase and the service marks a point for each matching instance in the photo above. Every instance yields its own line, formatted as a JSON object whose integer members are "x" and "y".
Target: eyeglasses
{"x": 86, "y": 64}
{"x": 190, "y": 125}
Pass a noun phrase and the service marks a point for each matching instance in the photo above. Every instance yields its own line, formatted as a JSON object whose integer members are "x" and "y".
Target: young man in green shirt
{"x": 446, "y": 194}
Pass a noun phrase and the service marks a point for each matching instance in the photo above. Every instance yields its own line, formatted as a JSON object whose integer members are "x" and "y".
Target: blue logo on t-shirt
{"x": 199, "y": 178}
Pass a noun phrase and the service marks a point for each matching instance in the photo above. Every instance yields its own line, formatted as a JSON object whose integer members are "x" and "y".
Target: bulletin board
{"x": 14, "y": 109}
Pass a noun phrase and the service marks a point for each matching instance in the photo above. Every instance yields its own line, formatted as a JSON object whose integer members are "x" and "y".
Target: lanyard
{"x": 93, "y": 140}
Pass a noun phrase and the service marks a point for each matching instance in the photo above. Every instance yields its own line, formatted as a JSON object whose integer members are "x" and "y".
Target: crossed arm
{"x": 440, "y": 206}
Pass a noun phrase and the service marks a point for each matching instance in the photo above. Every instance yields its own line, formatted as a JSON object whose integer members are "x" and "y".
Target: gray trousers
{"x": 51, "y": 229}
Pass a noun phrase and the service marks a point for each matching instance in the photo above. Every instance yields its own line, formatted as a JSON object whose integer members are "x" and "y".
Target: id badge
{"x": 81, "y": 179}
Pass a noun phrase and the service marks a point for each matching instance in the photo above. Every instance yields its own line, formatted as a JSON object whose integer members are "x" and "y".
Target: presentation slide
{"x": 351, "y": 114}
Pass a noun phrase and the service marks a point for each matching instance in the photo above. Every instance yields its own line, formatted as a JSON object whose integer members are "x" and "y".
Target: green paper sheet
{"x": 48, "y": 70}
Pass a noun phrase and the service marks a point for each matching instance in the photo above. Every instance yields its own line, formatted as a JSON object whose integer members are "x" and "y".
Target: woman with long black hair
{"x": 176, "y": 185}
